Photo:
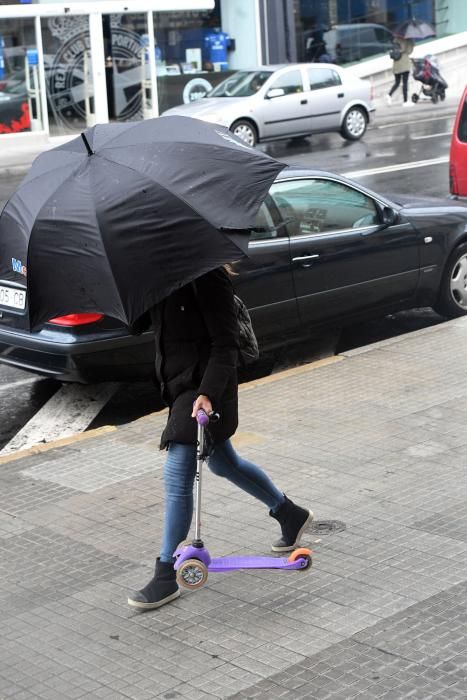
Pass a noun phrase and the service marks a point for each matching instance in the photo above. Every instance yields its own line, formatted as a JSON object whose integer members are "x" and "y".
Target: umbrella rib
{"x": 166, "y": 189}
{"x": 104, "y": 247}
{"x": 65, "y": 165}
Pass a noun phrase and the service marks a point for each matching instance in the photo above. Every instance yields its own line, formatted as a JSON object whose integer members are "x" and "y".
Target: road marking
{"x": 415, "y": 121}
{"x": 400, "y": 166}
{"x": 432, "y": 136}
{"x": 68, "y": 412}
{"x": 20, "y": 382}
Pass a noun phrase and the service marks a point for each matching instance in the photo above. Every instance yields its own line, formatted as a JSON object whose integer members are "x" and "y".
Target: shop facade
{"x": 66, "y": 67}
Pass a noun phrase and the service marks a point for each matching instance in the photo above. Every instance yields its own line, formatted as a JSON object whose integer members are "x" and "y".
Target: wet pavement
{"x": 373, "y": 441}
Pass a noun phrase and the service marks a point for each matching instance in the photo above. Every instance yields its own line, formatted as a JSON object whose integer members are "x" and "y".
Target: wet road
{"x": 396, "y": 138}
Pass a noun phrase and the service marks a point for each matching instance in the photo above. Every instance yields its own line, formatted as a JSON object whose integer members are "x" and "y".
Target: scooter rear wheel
{"x": 192, "y": 574}
{"x": 301, "y": 553}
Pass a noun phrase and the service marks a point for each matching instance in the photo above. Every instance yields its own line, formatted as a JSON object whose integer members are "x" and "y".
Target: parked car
{"x": 326, "y": 251}
{"x": 458, "y": 155}
{"x": 286, "y": 101}
{"x": 353, "y": 42}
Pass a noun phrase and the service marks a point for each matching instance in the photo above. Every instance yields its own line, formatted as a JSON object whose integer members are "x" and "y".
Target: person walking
{"x": 197, "y": 345}
{"x": 400, "y": 54}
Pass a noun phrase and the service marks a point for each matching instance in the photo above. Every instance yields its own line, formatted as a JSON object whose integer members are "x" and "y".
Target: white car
{"x": 287, "y": 101}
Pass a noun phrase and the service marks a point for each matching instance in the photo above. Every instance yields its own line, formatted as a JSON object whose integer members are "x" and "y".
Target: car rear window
{"x": 462, "y": 129}
{"x": 323, "y": 77}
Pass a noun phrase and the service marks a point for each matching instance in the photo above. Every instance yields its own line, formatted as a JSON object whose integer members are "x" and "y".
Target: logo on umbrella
{"x": 18, "y": 266}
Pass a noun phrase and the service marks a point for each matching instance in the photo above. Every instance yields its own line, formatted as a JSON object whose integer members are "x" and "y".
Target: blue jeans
{"x": 179, "y": 475}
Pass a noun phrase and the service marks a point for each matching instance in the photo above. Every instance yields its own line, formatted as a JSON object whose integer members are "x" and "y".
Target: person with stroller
{"x": 400, "y": 54}
{"x": 197, "y": 345}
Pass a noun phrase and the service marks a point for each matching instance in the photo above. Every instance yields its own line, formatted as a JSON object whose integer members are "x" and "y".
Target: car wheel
{"x": 245, "y": 131}
{"x": 452, "y": 300}
{"x": 354, "y": 124}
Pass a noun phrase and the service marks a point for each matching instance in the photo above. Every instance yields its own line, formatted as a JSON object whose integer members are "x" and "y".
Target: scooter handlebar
{"x": 202, "y": 417}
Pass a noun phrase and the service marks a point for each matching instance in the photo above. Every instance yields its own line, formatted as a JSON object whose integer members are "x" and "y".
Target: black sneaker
{"x": 293, "y": 521}
{"x": 161, "y": 589}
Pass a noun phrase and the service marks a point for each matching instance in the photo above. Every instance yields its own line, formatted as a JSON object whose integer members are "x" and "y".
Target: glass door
{"x": 127, "y": 69}
{"x": 68, "y": 73}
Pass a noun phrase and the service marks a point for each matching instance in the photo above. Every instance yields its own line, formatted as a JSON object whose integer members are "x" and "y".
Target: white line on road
{"x": 432, "y": 136}
{"x": 68, "y": 412}
{"x": 20, "y": 382}
{"x": 415, "y": 121}
{"x": 397, "y": 167}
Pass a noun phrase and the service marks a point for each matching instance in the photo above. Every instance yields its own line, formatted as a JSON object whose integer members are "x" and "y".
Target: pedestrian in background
{"x": 197, "y": 345}
{"x": 400, "y": 54}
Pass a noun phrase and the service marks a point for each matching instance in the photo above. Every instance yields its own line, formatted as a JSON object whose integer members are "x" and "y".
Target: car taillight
{"x": 76, "y": 319}
{"x": 453, "y": 184}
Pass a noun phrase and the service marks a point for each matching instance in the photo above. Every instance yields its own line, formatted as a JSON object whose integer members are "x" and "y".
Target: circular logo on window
{"x": 69, "y": 73}
{"x": 196, "y": 89}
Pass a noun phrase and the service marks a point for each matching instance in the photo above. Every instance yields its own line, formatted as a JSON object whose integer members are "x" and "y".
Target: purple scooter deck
{"x": 251, "y": 562}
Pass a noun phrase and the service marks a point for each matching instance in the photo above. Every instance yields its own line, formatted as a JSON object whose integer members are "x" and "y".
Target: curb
{"x": 60, "y": 442}
{"x": 98, "y": 432}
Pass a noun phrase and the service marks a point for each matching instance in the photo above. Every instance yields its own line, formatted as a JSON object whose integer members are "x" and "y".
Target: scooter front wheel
{"x": 192, "y": 574}
{"x": 301, "y": 553}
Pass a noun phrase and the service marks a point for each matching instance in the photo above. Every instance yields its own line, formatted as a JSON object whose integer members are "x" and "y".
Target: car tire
{"x": 354, "y": 124}
{"x": 452, "y": 300}
{"x": 245, "y": 131}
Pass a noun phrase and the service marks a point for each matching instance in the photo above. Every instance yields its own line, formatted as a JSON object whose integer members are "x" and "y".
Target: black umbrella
{"x": 116, "y": 219}
{"x": 414, "y": 29}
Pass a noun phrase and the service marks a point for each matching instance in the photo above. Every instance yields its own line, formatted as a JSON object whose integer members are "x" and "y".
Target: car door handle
{"x": 305, "y": 260}
{"x": 303, "y": 102}
{"x": 340, "y": 94}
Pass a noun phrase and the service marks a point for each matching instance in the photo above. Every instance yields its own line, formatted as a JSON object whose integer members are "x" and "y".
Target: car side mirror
{"x": 389, "y": 217}
{"x": 275, "y": 92}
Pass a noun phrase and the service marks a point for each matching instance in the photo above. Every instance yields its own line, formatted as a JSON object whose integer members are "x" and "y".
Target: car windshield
{"x": 241, "y": 84}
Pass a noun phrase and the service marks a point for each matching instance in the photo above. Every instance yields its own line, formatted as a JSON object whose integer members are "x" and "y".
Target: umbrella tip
{"x": 86, "y": 143}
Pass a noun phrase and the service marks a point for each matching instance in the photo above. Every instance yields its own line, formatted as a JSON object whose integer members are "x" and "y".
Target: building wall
{"x": 238, "y": 20}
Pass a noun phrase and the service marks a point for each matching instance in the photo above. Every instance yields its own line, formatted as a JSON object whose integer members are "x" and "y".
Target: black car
{"x": 327, "y": 250}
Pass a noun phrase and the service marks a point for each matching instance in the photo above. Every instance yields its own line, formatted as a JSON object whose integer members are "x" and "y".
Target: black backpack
{"x": 396, "y": 52}
{"x": 248, "y": 350}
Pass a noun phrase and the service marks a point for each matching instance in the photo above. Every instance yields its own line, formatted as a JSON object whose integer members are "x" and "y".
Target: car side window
{"x": 290, "y": 82}
{"x": 323, "y": 78}
{"x": 462, "y": 129}
{"x": 266, "y": 225}
{"x": 323, "y": 206}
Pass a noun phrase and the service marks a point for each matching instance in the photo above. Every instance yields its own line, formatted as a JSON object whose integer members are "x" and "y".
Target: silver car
{"x": 287, "y": 101}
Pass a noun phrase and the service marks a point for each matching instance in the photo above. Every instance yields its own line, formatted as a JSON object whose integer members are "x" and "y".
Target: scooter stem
{"x": 199, "y": 464}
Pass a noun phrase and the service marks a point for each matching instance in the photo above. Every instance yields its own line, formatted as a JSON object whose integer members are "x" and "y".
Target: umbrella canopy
{"x": 118, "y": 218}
{"x": 414, "y": 29}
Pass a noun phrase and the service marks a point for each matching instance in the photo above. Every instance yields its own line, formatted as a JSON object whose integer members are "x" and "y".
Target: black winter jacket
{"x": 196, "y": 334}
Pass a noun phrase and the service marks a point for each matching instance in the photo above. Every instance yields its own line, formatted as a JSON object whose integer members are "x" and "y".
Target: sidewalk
{"x": 374, "y": 441}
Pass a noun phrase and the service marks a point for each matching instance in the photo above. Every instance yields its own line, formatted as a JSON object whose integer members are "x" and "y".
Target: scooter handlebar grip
{"x": 202, "y": 417}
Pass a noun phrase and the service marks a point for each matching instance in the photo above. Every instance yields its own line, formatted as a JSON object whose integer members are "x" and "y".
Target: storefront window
{"x": 68, "y": 74}
{"x": 340, "y": 31}
{"x": 192, "y": 55}
{"x": 129, "y": 94}
{"x": 19, "y": 81}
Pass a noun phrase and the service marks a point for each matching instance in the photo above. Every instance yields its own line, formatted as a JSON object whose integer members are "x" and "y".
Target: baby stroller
{"x": 426, "y": 70}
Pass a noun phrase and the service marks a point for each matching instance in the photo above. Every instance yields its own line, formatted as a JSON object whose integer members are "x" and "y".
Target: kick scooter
{"x": 192, "y": 559}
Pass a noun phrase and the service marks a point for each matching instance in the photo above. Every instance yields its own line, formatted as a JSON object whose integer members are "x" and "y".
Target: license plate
{"x": 13, "y": 297}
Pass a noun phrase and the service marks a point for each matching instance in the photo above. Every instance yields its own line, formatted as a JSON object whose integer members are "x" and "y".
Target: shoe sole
{"x": 291, "y": 547}
{"x": 153, "y": 606}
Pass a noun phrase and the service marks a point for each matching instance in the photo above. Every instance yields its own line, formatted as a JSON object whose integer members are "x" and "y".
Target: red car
{"x": 458, "y": 156}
